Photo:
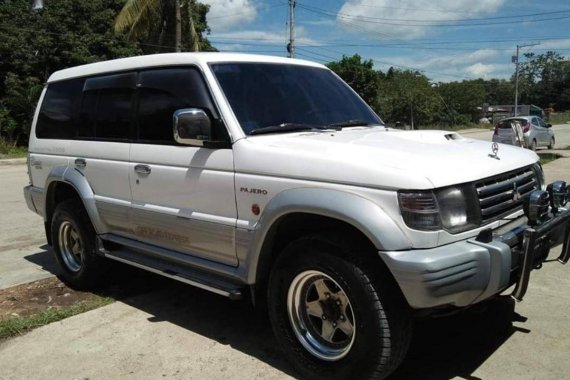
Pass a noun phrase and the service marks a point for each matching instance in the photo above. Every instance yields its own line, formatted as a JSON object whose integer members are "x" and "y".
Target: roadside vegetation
{"x": 545, "y": 158}
{"x": 560, "y": 118}
{"x": 10, "y": 150}
{"x": 16, "y": 325}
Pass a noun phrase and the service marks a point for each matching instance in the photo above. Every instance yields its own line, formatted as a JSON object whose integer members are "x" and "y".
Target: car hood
{"x": 378, "y": 157}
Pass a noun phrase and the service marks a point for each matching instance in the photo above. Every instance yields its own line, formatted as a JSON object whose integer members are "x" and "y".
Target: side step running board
{"x": 189, "y": 276}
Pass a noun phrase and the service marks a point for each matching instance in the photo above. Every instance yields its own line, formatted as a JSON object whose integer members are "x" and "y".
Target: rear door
{"x": 101, "y": 149}
{"x": 183, "y": 197}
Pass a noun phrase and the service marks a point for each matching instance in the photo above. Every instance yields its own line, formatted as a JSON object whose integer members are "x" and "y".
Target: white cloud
{"x": 226, "y": 14}
{"x": 381, "y": 19}
{"x": 554, "y": 44}
{"x": 483, "y": 63}
{"x": 481, "y": 70}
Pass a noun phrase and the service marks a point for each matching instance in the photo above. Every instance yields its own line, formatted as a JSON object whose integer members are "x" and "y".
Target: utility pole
{"x": 291, "y": 44}
{"x": 515, "y": 60}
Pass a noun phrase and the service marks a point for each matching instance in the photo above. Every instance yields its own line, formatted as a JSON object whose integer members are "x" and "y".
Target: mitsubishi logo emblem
{"x": 516, "y": 194}
{"x": 495, "y": 149}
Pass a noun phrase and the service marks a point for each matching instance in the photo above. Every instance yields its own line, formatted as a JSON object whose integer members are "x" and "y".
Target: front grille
{"x": 498, "y": 195}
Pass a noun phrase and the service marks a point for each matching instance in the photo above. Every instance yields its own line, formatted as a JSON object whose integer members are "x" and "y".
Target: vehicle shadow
{"x": 44, "y": 260}
{"x": 441, "y": 348}
{"x": 455, "y": 346}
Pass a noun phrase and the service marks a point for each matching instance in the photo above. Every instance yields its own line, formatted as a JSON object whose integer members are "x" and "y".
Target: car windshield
{"x": 274, "y": 98}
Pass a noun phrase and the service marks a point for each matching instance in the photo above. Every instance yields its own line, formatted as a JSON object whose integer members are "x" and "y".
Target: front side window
{"x": 160, "y": 93}
{"x": 266, "y": 95}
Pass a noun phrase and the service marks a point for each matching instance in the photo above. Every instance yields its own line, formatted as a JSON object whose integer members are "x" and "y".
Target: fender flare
{"x": 355, "y": 210}
{"x": 77, "y": 180}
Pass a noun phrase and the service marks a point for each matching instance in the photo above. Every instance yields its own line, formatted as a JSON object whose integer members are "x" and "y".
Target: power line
{"x": 360, "y": 18}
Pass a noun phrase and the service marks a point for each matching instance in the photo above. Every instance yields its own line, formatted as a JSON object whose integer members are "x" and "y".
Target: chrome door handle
{"x": 142, "y": 169}
{"x": 80, "y": 163}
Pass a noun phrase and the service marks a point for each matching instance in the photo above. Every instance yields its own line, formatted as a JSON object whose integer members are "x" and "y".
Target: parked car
{"x": 270, "y": 179}
{"x": 536, "y": 132}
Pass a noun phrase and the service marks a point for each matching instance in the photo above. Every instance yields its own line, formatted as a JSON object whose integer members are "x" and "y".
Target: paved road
{"x": 22, "y": 237}
{"x": 179, "y": 332}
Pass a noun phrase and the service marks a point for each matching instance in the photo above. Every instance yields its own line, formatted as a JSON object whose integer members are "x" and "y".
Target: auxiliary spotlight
{"x": 536, "y": 207}
{"x": 558, "y": 194}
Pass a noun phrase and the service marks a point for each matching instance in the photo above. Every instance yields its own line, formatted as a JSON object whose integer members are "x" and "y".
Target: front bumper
{"x": 469, "y": 271}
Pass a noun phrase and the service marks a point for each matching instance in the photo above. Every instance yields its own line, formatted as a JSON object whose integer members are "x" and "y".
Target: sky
{"x": 446, "y": 40}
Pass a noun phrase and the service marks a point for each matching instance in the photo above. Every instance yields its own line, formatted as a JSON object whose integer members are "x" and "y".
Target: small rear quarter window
{"x": 55, "y": 120}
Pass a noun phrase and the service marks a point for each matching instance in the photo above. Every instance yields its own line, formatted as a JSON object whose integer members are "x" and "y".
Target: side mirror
{"x": 192, "y": 126}
{"x": 548, "y": 125}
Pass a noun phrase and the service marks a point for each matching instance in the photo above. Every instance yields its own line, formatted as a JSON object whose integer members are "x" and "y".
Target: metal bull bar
{"x": 532, "y": 236}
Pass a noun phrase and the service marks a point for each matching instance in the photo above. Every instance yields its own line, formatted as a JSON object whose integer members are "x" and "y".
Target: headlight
{"x": 419, "y": 210}
{"x": 453, "y": 209}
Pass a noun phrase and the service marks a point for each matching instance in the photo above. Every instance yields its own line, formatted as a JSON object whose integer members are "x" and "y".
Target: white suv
{"x": 263, "y": 176}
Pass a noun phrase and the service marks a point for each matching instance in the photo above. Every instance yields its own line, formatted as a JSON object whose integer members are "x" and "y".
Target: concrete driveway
{"x": 179, "y": 332}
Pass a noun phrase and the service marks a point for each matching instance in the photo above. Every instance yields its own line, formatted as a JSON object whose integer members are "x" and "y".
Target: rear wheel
{"x": 335, "y": 315}
{"x": 551, "y": 145}
{"x": 74, "y": 245}
{"x": 533, "y": 145}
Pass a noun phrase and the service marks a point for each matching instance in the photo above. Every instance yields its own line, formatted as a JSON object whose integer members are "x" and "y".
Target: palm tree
{"x": 160, "y": 24}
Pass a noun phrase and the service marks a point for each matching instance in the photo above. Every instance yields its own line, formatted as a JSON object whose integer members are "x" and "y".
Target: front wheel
{"x": 337, "y": 316}
{"x": 551, "y": 145}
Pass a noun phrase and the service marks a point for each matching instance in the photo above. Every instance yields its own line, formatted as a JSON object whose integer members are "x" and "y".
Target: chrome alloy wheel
{"x": 70, "y": 246}
{"x": 321, "y": 315}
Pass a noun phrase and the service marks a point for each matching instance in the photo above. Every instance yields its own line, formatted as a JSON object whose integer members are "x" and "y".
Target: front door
{"x": 182, "y": 196}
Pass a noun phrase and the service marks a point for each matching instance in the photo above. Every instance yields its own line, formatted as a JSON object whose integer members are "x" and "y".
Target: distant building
{"x": 498, "y": 112}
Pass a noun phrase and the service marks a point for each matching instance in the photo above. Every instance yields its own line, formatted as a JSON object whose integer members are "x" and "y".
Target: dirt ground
{"x": 37, "y": 296}
{"x": 120, "y": 282}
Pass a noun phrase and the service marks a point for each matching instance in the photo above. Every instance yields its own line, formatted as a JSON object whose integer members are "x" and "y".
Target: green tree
{"x": 360, "y": 75}
{"x": 165, "y": 25}
{"x": 544, "y": 80}
{"x": 499, "y": 91}
{"x": 407, "y": 96}
{"x": 34, "y": 44}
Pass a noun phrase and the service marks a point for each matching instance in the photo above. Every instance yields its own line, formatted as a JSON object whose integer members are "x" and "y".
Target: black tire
{"x": 533, "y": 145}
{"x": 381, "y": 319}
{"x": 551, "y": 145}
{"x": 74, "y": 245}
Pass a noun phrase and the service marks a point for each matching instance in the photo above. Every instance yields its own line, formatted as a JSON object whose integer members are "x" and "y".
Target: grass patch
{"x": 8, "y": 150}
{"x": 545, "y": 158}
{"x": 560, "y": 117}
{"x": 12, "y": 326}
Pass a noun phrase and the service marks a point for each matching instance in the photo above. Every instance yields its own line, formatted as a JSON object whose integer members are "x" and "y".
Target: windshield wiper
{"x": 349, "y": 123}
{"x": 285, "y": 127}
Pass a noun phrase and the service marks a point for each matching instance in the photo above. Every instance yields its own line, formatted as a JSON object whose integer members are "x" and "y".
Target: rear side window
{"x": 160, "y": 93}
{"x": 57, "y": 112}
{"x": 106, "y": 107}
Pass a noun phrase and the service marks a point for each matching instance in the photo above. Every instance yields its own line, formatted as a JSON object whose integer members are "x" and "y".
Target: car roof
{"x": 518, "y": 118}
{"x": 170, "y": 59}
